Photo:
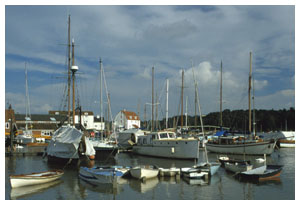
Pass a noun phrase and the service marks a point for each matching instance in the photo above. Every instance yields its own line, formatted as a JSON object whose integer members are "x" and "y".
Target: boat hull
{"x": 34, "y": 178}
{"x": 237, "y": 168}
{"x": 101, "y": 175}
{"x": 179, "y": 149}
{"x": 286, "y": 143}
{"x": 259, "y": 148}
{"x": 143, "y": 173}
{"x": 169, "y": 172}
{"x": 271, "y": 171}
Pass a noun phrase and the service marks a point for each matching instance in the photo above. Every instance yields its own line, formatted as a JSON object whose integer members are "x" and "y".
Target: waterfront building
{"x": 125, "y": 120}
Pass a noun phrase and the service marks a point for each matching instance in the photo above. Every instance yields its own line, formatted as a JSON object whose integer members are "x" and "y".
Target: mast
{"x": 221, "y": 121}
{"x": 167, "y": 103}
{"x": 27, "y": 104}
{"x": 74, "y": 69}
{"x": 200, "y": 113}
{"x": 182, "y": 99}
{"x": 145, "y": 116}
{"x": 152, "y": 119}
{"x": 69, "y": 69}
{"x": 254, "y": 123}
{"x": 195, "y": 99}
{"x": 249, "y": 93}
{"x": 186, "y": 115}
{"x": 101, "y": 99}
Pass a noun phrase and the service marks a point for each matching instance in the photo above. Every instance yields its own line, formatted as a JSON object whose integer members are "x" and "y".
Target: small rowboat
{"x": 266, "y": 172}
{"x": 34, "y": 178}
{"x": 144, "y": 172}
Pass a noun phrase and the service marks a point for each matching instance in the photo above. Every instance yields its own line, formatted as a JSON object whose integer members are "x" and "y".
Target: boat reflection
{"x": 21, "y": 192}
{"x": 169, "y": 180}
{"x": 105, "y": 188}
{"x": 143, "y": 186}
{"x": 201, "y": 182}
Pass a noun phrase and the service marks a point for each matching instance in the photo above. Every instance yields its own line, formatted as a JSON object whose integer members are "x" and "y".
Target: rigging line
{"x": 108, "y": 100}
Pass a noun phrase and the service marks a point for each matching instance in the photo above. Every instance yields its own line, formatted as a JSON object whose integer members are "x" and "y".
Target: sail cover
{"x": 65, "y": 142}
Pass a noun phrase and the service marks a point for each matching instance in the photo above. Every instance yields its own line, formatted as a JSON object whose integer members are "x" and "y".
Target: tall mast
{"x": 69, "y": 68}
{"x": 152, "y": 119}
{"x": 182, "y": 99}
{"x": 195, "y": 99}
{"x": 167, "y": 103}
{"x": 27, "y": 104}
{"x": 74, "y": 69}
{"x": 254, "y": 123}
{"x": 101, "y": 99}
{"x": 249, "y": 93}
{"x": 221, "y": 121}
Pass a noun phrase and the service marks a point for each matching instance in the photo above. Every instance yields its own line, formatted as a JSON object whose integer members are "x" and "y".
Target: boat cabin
{"x": 148, "y": 139}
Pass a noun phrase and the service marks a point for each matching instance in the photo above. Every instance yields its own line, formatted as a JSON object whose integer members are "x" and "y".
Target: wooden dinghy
{"x": 266, "y": 172}
{"x": 35, "y": 178}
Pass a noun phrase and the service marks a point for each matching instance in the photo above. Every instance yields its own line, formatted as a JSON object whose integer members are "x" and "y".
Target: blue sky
{"x": 132, "y": 39}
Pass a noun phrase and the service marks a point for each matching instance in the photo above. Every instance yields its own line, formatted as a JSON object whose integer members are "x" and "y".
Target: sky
{"x": 131, "y": 40}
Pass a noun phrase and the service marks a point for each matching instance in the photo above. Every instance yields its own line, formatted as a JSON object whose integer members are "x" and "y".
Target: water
{"x": 221, "y": 186}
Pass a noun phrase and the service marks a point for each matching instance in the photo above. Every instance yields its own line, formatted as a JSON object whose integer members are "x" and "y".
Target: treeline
{"x": 237, "y": 120}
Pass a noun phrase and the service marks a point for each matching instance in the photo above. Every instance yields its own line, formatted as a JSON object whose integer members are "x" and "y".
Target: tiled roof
{"x": 132, "y": 114}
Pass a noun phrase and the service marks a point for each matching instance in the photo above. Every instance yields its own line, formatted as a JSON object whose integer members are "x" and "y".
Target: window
{"x": 7, "y": 125}
{"x": 144, "y": 141}
{"x": 130, "y": 117}
{"x": 163, "y": 136}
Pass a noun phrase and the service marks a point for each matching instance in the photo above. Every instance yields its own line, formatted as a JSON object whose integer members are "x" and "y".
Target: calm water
{"x": 221, "y": 186}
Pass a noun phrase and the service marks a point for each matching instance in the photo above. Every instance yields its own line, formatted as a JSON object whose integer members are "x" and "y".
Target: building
{"x": 9, "y": 116}
{"x": 87, "y": 119}
{"x": 125, "y": 120}
{"x": 42, "y": 125}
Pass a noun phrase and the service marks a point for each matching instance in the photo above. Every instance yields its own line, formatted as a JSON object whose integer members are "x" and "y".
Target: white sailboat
{"x": 27, "y": 136}
{"x": 104, "y": 147}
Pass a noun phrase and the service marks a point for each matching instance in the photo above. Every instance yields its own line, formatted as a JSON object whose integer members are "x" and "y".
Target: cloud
{"x": 132, "y": 39}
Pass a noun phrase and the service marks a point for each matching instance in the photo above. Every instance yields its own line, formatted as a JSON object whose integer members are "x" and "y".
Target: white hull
{"x": 34, "y": 179}
{"x": 143, "y": 173}
{"x": 169, "y": 172}
{"x": 287, "y": 145}
{"x": 173, "y": 148}
{"x": 259, "y": 148}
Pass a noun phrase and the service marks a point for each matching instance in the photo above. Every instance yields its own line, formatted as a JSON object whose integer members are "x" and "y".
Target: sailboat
{"x": 27, "y": 136}
{"x": 228, "y": 143}
{"x": 68, "y": 144}
{"x": 104, "y": 147}
{"x": 210, "y": 167}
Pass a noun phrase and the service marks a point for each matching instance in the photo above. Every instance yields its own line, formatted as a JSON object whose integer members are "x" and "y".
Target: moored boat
{"x": 266, "y": 172}
{"x": 103, "y": 174}
{"x": 35, "y": 178}
{"x": 238, "y": 167}
{"x": 166, "y": 144}
{"x": 194, "y": 173}
{"x": 225, "y": 159}
{"x": 210, "y": 167}
{"x": 236, "y": 145}
{"x": 68, "y": 143}
{"x": 144, "y": 172}
{"x": 170, "y": 172}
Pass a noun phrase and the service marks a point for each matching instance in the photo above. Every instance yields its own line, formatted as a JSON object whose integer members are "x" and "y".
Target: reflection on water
{"x": 143, "y": 186}
{"x": 223, "y": 185}
{"x": 20, "y": 192}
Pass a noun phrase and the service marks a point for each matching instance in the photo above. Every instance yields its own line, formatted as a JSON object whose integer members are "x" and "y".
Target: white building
{"x": 87, "y": 119}
{"x": 125, "y": 120}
